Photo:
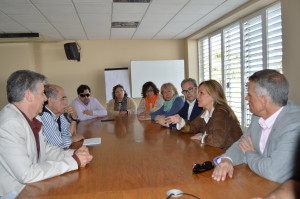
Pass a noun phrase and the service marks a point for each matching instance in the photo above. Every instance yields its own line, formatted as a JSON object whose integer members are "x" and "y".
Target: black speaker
{"x": 72, "y": 51}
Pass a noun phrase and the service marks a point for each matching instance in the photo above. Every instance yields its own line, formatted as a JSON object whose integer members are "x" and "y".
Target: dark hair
{"x": 82, "y": 88}
{"x": 272, "y": 84}
{"x": 20, "y": 81}
{"x": 148, "y": 85}
{"x": 189, "y": 80}
{"x": 114, "y": 89}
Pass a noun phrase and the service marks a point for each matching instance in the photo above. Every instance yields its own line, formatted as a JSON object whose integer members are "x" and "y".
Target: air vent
{"x": 124, "y": 24}
{"x": 19, "y": 35}
{"x": 131, "y": 1}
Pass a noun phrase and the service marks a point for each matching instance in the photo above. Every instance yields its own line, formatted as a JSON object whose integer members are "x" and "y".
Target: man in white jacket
{"x": 25, "y": 156}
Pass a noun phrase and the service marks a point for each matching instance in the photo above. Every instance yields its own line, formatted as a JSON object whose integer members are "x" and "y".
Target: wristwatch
{"x": 74, "y": 120}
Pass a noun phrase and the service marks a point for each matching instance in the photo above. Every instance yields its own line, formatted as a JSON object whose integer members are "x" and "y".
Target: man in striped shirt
{"x": 57, "y": 129}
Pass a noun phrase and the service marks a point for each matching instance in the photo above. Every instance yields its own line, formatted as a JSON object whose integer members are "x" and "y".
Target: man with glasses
{"x": 190, "y": 110}
{"x": 87, "y": 107}
{"x": 57, "y": 129}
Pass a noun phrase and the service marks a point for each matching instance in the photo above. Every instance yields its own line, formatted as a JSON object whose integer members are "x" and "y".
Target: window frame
{"x": 263, "y": 14}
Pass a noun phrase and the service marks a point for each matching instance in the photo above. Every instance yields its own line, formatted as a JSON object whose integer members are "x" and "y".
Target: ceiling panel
{"x": 91, "y": 19}
{"x": 127, "y": 12}
{"x": 122, "y": 33}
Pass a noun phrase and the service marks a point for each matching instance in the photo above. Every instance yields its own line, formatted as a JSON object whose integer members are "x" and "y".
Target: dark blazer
{"x": 195, "y": 112}
{"x": 184, "y": 112}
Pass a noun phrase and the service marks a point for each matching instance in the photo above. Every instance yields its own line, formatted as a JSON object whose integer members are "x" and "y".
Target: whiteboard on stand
{"x": 114, "y": 76}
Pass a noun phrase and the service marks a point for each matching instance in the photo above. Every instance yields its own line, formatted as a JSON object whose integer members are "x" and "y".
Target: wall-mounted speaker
{"x": 72, "y": 51}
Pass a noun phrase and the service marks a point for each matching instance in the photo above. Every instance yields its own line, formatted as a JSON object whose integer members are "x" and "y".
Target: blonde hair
{"x": 166, "y": 85}
{"x": 215, "y": 90}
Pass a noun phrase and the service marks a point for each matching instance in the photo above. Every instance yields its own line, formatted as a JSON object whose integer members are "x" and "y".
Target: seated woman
{"x": 217, "y": 125}
{"x": 151, "y": 100}
{"x": 172, "y": 104}
{"x": 120, "y": 104}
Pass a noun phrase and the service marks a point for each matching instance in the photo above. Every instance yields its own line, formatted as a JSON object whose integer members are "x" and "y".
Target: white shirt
{"x": 93, "y": 105}
{"x": 191, "y": 106}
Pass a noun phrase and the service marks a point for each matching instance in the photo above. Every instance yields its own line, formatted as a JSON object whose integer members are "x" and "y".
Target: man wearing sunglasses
{"x": 269, "y": 144}
{"x": 87, "y": 107}
{"x": 190, "y": 109}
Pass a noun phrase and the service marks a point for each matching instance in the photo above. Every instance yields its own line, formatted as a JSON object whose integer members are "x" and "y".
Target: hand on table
{"x": 77, "y": 137}
{"x": 223, "y": 169}
{"x": 175, "y": 119}
{"x": 160, "y": 119}
{"x": 123, "y": 113}
{"x": 88, "y": 112}
{"x": 197, "y": 136}
{"x": 84, "y": 156}
{"x": 144, "y": 117}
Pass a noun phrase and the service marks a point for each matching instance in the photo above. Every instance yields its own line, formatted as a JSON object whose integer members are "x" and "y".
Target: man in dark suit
{"x": 190, "y": 110}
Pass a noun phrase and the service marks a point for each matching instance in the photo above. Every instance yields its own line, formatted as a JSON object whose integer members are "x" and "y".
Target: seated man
{"x": 190, "y": 109}
{"x": 269, "y": 145}
{"x": 87, "y": 107}
{"x": 25, "y": 155}
{"x": 57, "y": 129}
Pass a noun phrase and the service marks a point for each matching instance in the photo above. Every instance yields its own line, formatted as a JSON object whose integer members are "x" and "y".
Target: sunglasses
{"x": 85, "y": 95}
{"x": 199, "y": 168}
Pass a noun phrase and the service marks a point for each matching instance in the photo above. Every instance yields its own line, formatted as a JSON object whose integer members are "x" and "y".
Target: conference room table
{"x": 141, "y": 160}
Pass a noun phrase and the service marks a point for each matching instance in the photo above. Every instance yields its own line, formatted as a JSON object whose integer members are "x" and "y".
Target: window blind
{"x": 237, "y": 51}
{"x": 274, "y": 37}
{"x": 216, "y": 58}
{"x": 232, "y": 68}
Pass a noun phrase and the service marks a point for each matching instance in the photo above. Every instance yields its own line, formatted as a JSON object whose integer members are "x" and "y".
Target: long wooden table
{"x": 141, "y": 160}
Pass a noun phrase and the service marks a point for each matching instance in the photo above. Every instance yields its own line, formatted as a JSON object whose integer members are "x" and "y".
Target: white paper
{"x": 92, "y": 141}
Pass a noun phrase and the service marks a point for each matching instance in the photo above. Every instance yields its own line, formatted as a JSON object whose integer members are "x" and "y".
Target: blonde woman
{"x": 217, "y": 125}
{"x": 172, "y": 104}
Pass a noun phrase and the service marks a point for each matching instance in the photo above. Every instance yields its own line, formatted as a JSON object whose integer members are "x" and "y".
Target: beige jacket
{"x": 19, "y": 162}
{"x": 131, "y": 107}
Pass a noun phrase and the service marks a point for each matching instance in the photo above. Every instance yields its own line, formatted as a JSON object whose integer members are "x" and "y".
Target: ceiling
{"x": 58, "y": 20}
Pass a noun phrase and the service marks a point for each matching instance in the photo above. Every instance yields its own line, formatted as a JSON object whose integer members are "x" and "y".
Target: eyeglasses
{"x": 85, "y": 95}
{"x": 119, "y": 91}
{"x": 199, "y": 168}
{"x": 189, "y": 90}
{"x": 149, "y": 90}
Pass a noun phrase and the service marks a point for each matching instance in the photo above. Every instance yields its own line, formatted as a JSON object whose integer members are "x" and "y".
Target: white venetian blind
{"x": 232, "y": 68}
{"x": 237, "y": 51}
{"x": 253, "y": 53}
{"x": 204, "y": 61}
{"x": 274, "y": 37}
{"x": 216, "y": 58}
